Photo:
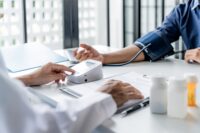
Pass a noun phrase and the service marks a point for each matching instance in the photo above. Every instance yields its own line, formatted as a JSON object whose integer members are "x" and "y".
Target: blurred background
{"x": 66, "y": 23}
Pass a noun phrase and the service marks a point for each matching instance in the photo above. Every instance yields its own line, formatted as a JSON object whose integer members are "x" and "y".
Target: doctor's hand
{"x": 87, "y": 53}
{"x": 48, "y": 73}
{"x": 193, "y": 55}
{"x": 120, "y": 91}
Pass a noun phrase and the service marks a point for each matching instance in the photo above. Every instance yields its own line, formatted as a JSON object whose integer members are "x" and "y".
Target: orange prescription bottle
{"x": 191, "y": 86}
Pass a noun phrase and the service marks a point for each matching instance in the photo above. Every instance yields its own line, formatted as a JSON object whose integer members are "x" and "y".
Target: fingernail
{"x": 191, "y": 61}
{"x": 68, "y": 73}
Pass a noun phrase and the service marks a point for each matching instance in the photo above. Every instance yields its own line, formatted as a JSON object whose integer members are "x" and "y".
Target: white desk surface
{"x": 143, "y": 121}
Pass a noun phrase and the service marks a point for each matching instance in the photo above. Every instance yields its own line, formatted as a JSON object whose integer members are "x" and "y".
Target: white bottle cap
{"x": 178, "y": 81}
{"x": 158, "y": 78}
{"x": 191, "y": 77}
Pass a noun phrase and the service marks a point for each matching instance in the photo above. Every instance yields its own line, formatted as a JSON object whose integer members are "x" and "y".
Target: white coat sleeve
{"x": 74, "y": 116}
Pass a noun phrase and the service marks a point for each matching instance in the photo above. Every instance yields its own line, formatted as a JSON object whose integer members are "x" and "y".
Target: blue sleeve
{"x": 162, "y": 37}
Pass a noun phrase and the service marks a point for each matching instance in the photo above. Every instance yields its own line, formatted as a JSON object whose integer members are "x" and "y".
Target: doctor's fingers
{"x": 111, "y": 85}
{"x": 131, "y": 89}
{"x": 119, "y": 98}
{"x": 114, "y": 82}
{"x": 52, "y": 67}
{"x": 56, "y": 77}
{"x": 60, "y": 68}
{"x": 123, "y": 87}
{"x": 135, "y": 96}
{"x": 132, "y": 93}
{"x": 60, "y": 79}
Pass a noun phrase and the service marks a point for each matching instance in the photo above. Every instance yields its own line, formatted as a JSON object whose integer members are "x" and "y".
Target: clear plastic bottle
{"x": 177, "y": 98}
{"x": 158, "y": 95}
{"x": 191, "y": 86}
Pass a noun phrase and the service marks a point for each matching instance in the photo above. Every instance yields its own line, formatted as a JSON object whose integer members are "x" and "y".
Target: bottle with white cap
{"x": 158, "y": 95}
{"x": 192, "y": 80}
{"x": 177, "y": 98}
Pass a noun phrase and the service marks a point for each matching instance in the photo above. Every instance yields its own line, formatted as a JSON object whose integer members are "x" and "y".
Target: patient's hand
{"x": 88, "y": 53}
{"x": 120, "y": 91}
{"x": 193, "y": 55}
{"x": 48, "y": 73}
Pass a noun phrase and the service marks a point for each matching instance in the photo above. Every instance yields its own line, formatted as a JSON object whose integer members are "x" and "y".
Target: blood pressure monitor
{"x": 86, "y": 71}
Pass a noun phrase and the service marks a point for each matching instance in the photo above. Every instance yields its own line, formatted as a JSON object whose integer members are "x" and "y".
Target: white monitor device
{"x": 86, "y": 71}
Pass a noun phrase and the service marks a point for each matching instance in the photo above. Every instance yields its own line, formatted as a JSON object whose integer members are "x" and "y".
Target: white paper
{"x": 141, "y": 82}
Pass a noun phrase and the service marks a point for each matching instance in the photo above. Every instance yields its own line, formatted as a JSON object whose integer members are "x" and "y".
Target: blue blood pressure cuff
{"x": 158, "y": 49}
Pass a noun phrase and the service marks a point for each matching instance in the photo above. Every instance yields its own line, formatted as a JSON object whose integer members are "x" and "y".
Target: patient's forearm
{"x": 123, "y": 55}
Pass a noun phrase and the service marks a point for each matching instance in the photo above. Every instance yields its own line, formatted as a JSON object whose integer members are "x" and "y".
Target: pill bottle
{"x": 177, "y": 97}
{"x": 158, "y": 95}
{"x": 191, "y": 80}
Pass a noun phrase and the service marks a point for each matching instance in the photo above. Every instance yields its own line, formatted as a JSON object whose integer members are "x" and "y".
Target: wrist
{"x": 25, "y": 79}
{"x": 28, "y": 80}
{"x": 104, "y": 59}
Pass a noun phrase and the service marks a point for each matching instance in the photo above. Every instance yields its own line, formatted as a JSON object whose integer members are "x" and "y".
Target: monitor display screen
{"x": 83, "y": 67}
